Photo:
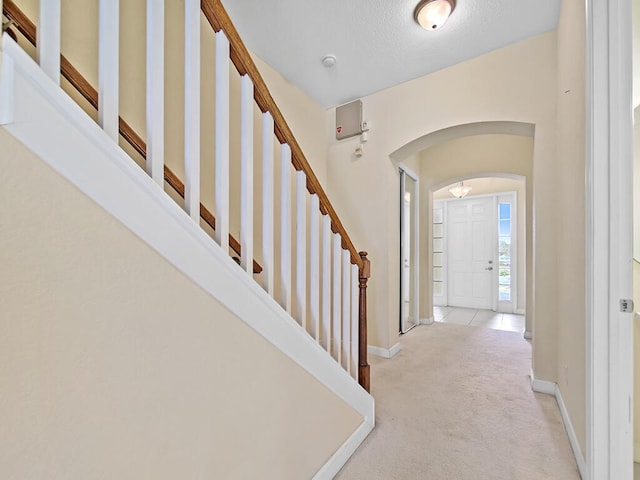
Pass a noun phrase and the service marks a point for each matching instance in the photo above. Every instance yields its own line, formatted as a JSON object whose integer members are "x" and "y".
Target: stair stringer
{"x": 38, "y": 113}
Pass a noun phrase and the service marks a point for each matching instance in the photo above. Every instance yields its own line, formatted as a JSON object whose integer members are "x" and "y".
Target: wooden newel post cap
{"x": 365, "y": 272}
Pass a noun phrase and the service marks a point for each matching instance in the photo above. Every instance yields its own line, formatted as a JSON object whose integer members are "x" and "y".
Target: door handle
{"x": 489, "y": 268}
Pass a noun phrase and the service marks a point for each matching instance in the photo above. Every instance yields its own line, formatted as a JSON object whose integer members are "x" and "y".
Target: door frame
{"x": 415, "y": 259}
{"x": 515, "y": 240}
{"x": 609, "y": 157}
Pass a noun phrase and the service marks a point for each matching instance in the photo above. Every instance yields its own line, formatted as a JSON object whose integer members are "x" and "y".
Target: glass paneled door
{"x": 408, "y": 251}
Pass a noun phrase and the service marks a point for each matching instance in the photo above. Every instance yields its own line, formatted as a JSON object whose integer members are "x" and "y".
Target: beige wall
{"x": 115, "y": 365}
{"x": 516, "y": 84}
{"x": 570, "y": 204}
{"x": 493, "y": 185}
{"x": 476, "y": 156}
{"x": 413, "y": 164}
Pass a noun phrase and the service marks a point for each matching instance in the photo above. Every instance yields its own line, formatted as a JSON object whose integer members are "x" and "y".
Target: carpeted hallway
{"x": 456, "y": 404}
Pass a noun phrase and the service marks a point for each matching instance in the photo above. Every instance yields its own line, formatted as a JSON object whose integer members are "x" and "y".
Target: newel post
{"x": 363, "y": 365}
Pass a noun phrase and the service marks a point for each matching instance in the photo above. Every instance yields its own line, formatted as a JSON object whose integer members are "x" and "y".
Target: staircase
{"x": 210, "y": 177}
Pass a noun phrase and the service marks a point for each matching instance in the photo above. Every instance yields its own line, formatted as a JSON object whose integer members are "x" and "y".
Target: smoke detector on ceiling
{"x": 329, "y": 61}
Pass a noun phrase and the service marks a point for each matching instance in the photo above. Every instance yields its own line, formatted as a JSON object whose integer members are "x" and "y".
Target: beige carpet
{"x": 456, "y": 404}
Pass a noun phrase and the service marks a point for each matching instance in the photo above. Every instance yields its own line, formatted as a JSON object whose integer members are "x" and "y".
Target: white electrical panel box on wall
{"x": 349, "y": 120}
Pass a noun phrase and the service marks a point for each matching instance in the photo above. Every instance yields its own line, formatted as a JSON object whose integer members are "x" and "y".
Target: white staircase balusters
{"x": 337, "y": 297}
{"x": 192, "y": 109}
{"x": 222, "y": 141}
{"x": 325, "y": 337}
{"x": 155, "y": 90}
{"x": 108, "y": 66}
{"x": 49, "y": 39}
{"x": 301, "y": 249}
{"x": 246, "y": 173}
{"x": 314, "y": 267}
{"x": 285, "y": 227}
{"x": 268, "y": 217}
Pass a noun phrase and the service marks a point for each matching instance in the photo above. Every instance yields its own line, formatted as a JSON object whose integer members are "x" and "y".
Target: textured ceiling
{"x": 376, "y": 42}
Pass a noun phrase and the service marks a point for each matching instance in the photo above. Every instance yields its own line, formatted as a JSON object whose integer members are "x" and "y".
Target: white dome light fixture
{"x": 432, "y": 14}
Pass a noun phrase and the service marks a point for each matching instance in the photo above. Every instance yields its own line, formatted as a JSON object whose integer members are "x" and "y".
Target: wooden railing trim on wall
{"x": 218, "y": 18}
{"x": 28, "y": 29}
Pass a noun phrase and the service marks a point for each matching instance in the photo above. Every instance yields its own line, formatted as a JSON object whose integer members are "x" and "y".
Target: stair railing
{"x": 28, "y": 29}
{"x": 321, "y": 278}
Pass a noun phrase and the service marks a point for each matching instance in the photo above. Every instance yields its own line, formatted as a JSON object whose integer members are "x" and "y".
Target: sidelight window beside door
{"x": 504, "y": 252}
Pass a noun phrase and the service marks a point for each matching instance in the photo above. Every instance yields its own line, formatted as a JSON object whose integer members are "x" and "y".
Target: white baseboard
{"x": 338, "y": 459}
{"x": 542, "y": 386}
{"x": 383, "y": 352}
{"x": 636, "y": 452}
{"x": 528, "y": 335}
{"x": 573, "y": 439}
{"x": 551, "y": 388}
{"x": 426, "y": 321}
{"x": 520, "y": 311}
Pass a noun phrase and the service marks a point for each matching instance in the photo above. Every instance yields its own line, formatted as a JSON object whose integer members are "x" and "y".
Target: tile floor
{"x": 480, "y": 318}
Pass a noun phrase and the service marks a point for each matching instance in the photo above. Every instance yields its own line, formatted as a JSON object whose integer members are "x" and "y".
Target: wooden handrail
{"x": 218, "y": 18}
{"x": 28, "y": 29}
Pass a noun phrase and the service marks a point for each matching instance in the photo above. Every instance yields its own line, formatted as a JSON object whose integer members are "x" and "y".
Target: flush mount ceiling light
{"x": 432, "y": 14}
{"x": 460, "y": 190}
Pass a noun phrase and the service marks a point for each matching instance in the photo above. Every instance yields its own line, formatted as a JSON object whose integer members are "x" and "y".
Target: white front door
{"x": 471, "y": 247}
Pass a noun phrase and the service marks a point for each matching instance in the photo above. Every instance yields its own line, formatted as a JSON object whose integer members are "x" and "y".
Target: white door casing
{"x": 609, "y": 345}
{"x": 409, "y": 257}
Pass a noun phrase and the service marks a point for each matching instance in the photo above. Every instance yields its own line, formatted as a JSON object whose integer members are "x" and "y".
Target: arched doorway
{"x": 478, "y": 150}
{"x": 478, "y": 252}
